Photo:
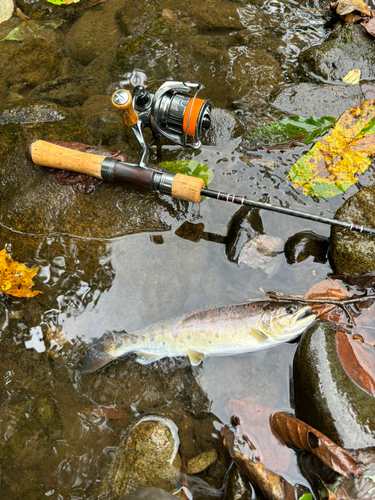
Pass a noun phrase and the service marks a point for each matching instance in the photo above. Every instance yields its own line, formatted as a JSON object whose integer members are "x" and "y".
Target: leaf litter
{"x": 16, "y": 279}
{"x": 332, "y": 164}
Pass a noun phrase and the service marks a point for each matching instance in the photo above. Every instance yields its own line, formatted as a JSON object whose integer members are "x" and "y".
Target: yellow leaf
{"x": 352, "y": 77}
{"x": 331, "y": 166}
{"x": 16, "y": 279}
{"x": 346, "y": 6}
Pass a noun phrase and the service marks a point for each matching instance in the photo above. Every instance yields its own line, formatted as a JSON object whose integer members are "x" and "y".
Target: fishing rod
{"x": 172, "y": 111}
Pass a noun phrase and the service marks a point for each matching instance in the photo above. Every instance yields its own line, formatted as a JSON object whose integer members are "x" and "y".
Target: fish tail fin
{"x": 101, "y": 352}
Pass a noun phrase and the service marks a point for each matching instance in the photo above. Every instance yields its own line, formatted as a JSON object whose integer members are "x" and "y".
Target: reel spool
{"x": 174, "y": 113}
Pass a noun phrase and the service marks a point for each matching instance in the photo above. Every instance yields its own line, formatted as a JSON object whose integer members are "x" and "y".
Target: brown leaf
{"x": 254, "y": 419}
{"x": 271, "y": 485}
{"x": 358, "y": 359}
{"x": 15, "y": 278}
{"x": 370, "y": 26}
{"x": 330, "y": 290}
{"x": 303, "y": 436}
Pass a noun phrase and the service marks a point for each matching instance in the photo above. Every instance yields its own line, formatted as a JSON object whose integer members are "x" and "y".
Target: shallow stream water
{"x": 51, "y": 448}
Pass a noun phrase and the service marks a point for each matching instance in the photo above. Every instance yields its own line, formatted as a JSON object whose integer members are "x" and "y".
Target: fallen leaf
{"x": 6, "y": 10}
{"x": 369, "y": 26}
{"x": 271, "y": 485}
{"x": 62, "y": 2}
{"x": 358, "y": 359}
{"x": 352, "y": 77}
{"x": 346, "y": 6}
{"x": 329, "y": 168}
{"x": 191, "y": 168}
{"x": 169, "y": 14}
{"x": 297, "y": 127}
{"x": 254, "y": 419}
{"x": 328, "y": 290}
{"x": 304, "y": 437}
{"x": 34, "y": 27}
{"x": 16, "y": 279}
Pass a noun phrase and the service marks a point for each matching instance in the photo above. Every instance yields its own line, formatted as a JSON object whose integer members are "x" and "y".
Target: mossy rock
{"x": 325, "y": 397}
{"x": 34, "y": 62}
{"x": 354, "y": 252}
{"x": 346, "y": 48}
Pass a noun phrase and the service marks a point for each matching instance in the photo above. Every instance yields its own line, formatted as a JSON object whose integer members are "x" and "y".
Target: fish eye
{"x": 291, "y": 309}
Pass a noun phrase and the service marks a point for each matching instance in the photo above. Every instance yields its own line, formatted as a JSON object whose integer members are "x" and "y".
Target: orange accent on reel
{"x": 195, "y": 109}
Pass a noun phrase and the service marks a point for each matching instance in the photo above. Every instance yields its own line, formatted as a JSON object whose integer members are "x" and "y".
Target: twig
{"x": 296, "y": 298}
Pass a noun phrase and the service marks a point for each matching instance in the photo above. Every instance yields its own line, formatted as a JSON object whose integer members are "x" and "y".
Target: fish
{"x": 222, "y": 331}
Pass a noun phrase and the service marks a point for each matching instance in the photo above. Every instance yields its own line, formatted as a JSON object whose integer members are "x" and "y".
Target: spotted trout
{"x": 214, "y": 332}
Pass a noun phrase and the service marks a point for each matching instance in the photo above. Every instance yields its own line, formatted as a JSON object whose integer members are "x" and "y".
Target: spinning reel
{"x": 172, "y": 111}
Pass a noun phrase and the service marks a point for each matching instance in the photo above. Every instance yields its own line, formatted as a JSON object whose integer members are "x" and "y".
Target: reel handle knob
{"x": 122, "y": 100}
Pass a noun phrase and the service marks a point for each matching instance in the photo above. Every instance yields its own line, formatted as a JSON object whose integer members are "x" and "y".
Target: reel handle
{"x": 47, "y": 154}
{"x": 122, "y": 100}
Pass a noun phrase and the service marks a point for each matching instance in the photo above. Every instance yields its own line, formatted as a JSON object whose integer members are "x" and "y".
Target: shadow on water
{"x": 112, "y": 260}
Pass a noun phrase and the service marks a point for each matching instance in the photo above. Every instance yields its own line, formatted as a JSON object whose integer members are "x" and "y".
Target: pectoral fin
{"x": 195, "y": 357}
{"x": 145, "y": 358}
{"x": 258, "y": 335}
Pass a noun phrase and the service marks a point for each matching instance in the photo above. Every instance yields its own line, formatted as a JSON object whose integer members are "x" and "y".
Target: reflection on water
{"x": 51, "y": 446}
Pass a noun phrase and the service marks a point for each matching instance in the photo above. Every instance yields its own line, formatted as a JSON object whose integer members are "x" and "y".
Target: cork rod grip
{"x": 187, "y": 188}
{"x": 50, "y": 155}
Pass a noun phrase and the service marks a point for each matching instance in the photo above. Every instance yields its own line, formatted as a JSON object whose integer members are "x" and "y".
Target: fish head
{"x": 284, "y": 321}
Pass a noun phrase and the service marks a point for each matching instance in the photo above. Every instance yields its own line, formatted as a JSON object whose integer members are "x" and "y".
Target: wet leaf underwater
{"x": 16, "y": 279}
{"x": 332, "y": 164}
{"x": 304, "y": 437}
{"x": 306, "y": 130}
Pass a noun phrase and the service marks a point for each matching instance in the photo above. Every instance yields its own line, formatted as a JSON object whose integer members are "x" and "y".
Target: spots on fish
{"x": 164, "y": 343}
{"x": 188, "y": 337}
{"x": 217, "y": 335}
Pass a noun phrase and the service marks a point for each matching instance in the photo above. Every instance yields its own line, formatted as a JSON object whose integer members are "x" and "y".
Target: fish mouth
{"x": 303, "y": 318}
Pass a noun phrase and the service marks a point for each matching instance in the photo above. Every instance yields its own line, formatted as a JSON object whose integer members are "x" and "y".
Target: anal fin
{"x": 145, "y": 358}
{"x": 195, "y": 357}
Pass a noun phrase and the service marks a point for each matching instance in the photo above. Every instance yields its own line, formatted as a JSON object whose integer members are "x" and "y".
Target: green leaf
{"x": 62, "y": 2}
{"x": 296, "y": 127}
{"x": 19, "y": 33}
{"x": 191, "y": 168}
{"x": 306, "y": 496}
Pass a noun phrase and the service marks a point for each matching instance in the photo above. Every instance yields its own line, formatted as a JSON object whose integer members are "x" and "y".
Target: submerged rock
{"x": 149, "y": 494}
{"x": 236, "y": 485}
{"x": 353, "y": 252}
{"x": 94, "y": 33}
{"x": 325, "y": 397}
{"x": 35, "y": 62}
{"x": 33, "y": 203}
{"x": 346, "y": 48}
{"x": 245, "y": 224}
{"x": 68, "y": 90}
{"x": 302, "y": 245}
{"x": 148, "y": 456}
{"x": 201, "y": 462}
{"x": 263, "y": 252}
{"x": 312, "y": 99}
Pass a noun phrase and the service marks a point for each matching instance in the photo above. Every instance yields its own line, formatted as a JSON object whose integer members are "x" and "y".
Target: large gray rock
{"x": 312, "y": 99}
{"x": 325, "y": 397}
{"x": 352, "y": 252}
{"x": 346, "y": 48}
